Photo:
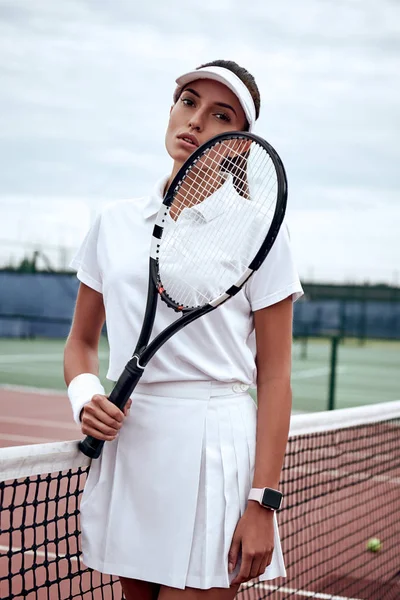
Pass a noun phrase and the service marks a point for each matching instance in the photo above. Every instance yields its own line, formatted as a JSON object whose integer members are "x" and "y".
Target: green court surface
{"x": 366, "y": 374}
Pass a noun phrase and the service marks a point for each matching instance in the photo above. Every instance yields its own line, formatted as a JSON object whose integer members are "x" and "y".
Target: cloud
{"x": 85, "y": 90}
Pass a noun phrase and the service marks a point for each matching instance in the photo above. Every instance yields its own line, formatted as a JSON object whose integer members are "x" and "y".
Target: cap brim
{"x": 204, "y": 74}
{"x": 230, "y": 80}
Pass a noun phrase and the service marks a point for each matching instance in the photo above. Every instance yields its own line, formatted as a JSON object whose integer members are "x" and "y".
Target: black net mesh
{"x": 40, "y": 540}
{"x": 341, "y": 489}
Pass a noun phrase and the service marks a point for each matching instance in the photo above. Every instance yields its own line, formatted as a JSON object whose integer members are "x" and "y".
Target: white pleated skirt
{"x": 162, "y": 502}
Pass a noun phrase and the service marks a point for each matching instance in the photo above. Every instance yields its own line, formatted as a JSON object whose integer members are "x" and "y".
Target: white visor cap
{"x": 231, "y": 81}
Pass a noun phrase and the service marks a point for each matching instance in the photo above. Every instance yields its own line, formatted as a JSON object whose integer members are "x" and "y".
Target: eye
{"x": 187, "y": 101}
{"x": 223, "y": 117}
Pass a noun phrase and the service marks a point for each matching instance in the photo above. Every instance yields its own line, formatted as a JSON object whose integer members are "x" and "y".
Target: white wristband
{"x": 81, "y": 390}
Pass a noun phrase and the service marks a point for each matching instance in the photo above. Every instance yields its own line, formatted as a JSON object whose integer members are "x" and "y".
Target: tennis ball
{"x": 374, "y": 545}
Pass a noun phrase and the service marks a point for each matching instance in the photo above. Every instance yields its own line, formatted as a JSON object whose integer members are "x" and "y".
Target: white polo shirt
{"x": 210, "y": 246}
{"x": 113, "y": 260}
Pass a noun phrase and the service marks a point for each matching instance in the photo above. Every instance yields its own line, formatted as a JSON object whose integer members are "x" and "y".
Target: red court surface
{"x": 316, "y": 529}
{"x": 35, "y": 417}
{"x": 38, "y": 417}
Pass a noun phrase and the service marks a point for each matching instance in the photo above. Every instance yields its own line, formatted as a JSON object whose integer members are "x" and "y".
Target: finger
{"x": 265, "y": 562}
{"x": 97, "y": 434}
{"x": 103, "y": 410}
{"x": 101, "y": 422}
{"x": 127, "y": 407}
{"x": 256, "y": 567}
{"x": 96, "y": 428}
{"x": 91, "y": 421}
{"x": 245, "y": 569}
{"x": 233, "y": 553}
{"x": 94, "y": 417}
{"x": 108, "y": 407}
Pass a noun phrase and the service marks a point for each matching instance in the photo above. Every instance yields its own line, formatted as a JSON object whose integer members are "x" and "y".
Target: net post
{"x": 304, "y": 344}
{"x": 332, "y": 374}
{"x": 342, "y": 318}
{"x": 362, "y": 325}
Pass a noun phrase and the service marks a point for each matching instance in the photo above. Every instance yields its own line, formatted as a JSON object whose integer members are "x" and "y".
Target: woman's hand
{"x": 101, "y": 419}
{"x": 254, "y": 535}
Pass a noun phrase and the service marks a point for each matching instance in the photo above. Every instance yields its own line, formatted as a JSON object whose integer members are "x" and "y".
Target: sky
{"x": 86, "y": 89}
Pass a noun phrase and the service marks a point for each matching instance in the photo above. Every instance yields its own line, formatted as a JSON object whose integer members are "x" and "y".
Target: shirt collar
{"x": 153, "y": 203}
{"x": 216, "y": 204}
{"x": 211, "y": 208}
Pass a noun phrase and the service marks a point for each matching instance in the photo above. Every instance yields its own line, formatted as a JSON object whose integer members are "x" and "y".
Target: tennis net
{"x": 341, "y": 485}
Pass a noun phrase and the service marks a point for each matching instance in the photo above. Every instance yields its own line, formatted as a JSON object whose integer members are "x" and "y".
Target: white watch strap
{"x": 256, "y": 494}
{"x": 81, "y": 390}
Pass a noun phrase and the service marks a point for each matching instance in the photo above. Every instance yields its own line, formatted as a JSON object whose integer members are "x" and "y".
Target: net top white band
{"x": 232, "y": 81}
{"x": 342, "y": 418}
{"x": 27, "y": 461}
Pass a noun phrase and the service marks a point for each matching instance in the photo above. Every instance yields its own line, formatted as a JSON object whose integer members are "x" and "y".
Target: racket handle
{"x": 91, "y": 446}
{"x": 119, "y": 396}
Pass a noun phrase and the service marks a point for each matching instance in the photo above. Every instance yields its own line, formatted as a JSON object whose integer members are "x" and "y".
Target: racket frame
{"x": 144, "y": 350}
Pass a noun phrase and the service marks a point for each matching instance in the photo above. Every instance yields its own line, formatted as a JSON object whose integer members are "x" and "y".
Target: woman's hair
{"x": 246, "y": 77}
{"x": 238, "y": 164}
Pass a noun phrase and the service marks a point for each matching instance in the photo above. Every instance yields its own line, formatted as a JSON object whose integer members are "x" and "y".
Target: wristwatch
{"x": 267, "y": 497}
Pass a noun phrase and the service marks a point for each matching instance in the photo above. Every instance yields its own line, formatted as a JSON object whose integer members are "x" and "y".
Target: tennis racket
{"x": 218, "y": 220}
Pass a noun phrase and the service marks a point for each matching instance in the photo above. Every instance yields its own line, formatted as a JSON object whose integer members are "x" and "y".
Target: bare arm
{"x": 99, "y": 417}
{"x": 274, "y": 397}
{"x": 81, "y": 349}
{"x": 255, "y": 530}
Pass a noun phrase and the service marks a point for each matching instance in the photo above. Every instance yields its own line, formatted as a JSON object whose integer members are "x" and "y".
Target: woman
{"x": 166, "y": 507}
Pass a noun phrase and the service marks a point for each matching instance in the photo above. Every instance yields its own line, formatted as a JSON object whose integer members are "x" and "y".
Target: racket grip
{"x": 91, "y": 446}
{"x": 119, "y": 396}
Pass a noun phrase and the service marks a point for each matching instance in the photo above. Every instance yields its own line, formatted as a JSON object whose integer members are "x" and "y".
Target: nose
{"x": 196, "y": 121}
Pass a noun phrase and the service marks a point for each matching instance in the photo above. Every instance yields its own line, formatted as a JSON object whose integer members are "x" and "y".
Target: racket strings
{"x": 201, "y": 268}
{"x": 218, "y": 230}
{"x": 201, "y": 290}
{"x": 198, "y": 182}
{"x": 238, "y": 238}
{"x": 207, "y": 183}
{"x": 240, "y": 232}
{"x": 268, "y": 189}
{"x": 200, "y": 185}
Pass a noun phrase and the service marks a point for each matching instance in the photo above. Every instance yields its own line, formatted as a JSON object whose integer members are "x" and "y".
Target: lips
{"x": 189, "y": 139}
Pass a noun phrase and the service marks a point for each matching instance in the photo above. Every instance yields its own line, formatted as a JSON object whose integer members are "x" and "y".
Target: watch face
{"x": 271, "y": 499}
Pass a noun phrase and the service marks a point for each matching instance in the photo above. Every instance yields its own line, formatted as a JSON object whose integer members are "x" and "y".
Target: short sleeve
{"x": 85, "y": 260}
{"x": 277, "y": 277}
